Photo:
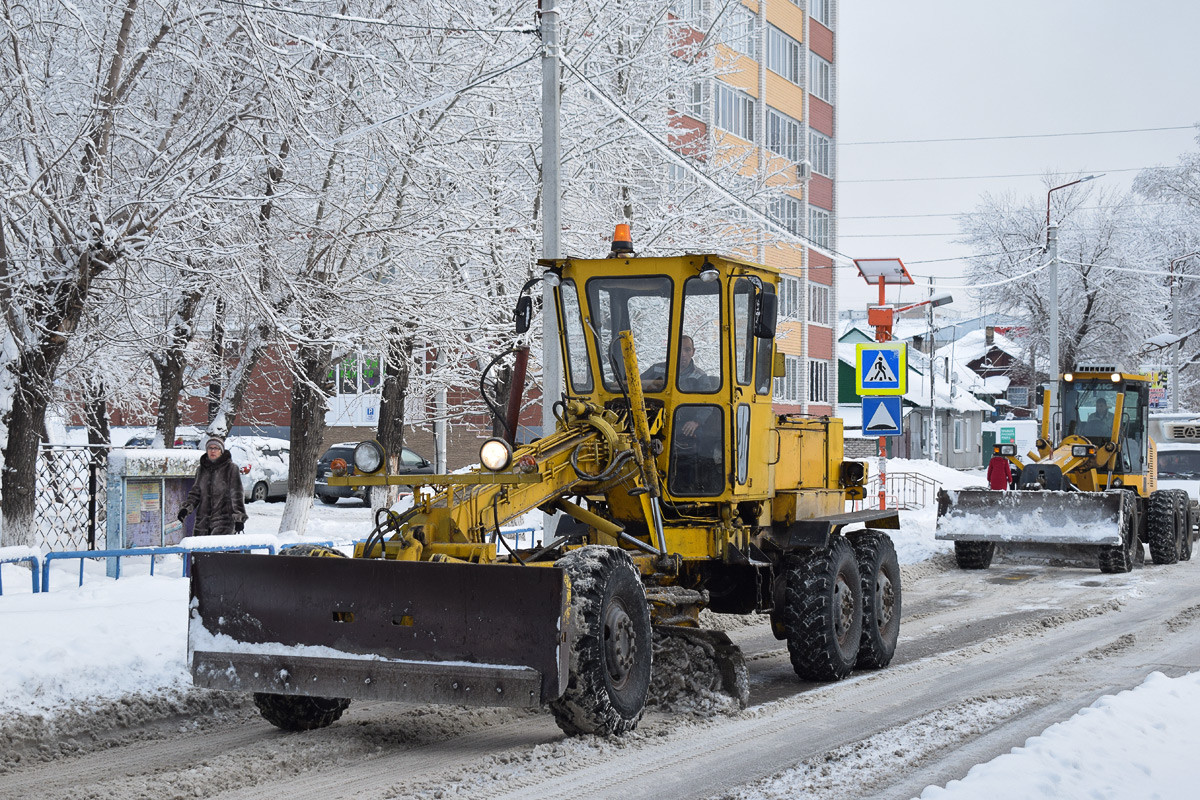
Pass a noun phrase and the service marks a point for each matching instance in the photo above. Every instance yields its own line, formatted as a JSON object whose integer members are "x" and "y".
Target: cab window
{"x": 641, "y": 305}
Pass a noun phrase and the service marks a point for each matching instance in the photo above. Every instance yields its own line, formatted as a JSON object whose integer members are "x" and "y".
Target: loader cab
{"x": 703, "y": 329}
{"x": 1089, "y": 403}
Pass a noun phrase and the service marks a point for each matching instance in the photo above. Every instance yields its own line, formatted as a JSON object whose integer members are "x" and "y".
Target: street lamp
{"x": 1175, "y": 330}
{"x": 1052, "y": 250}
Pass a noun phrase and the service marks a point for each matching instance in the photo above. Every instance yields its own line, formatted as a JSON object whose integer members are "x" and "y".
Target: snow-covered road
{"x": 94, "y": 702}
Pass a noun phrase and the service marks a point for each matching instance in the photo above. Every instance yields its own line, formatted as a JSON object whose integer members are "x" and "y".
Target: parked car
{"x": 263, "y": 462}
{"x": 409, "y": 462}
{"x": 184, "y": 439}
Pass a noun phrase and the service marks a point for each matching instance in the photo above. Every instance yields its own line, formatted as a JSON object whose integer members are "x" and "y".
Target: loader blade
{"x": 384, "y": 630}
{"x": 1046, "y": 517}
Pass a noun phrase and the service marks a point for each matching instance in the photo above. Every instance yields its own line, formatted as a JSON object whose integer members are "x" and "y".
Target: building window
{"x": 739, "y": 30}
{"x": 818, "y": 226}
{"x": 818, "y": 304}
{"x": 689, "y": 11}
{"x": 819, "y": 10}
{"x": 785, "y": 211}
{"x": 357, "y": 374}
{"x": 787, "y": 388}
{"x": 735, "y": 112}
{"x": 820, "y": 153}
{"x": 789, "y": 298}
{"x": 783, "y": 135}
{"x": 960, "y": 435}
{"x": 783, "y": 54}
{"x": 818, "y": 381}
{"x": 820, "y": 77}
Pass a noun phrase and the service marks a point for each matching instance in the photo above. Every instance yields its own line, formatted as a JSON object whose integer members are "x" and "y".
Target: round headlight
{"x": 368, "y": 457}
{"x": 1068, "y": 377}
{"x": 1115, "y": 377}
{"x": 495, "y": 454}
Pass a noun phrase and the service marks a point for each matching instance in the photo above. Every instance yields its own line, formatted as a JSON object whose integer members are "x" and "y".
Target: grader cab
{"x": 680, "y": 489}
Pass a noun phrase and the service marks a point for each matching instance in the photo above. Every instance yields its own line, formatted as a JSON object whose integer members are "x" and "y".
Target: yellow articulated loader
{"x": 1093, "y": 495}
{"x": 681, "y": 490}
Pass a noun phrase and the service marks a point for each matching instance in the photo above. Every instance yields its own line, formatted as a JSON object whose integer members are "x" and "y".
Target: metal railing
{"x": 905, "y": 491}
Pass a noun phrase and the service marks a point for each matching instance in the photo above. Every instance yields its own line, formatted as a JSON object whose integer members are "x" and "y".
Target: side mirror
{"x": 523, "y": 315}
{"x": 766, "y": 316}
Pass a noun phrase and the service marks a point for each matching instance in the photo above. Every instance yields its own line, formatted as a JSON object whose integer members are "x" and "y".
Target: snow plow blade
{"x": 489, "y": 635}
{"x": 1044, "y": 517}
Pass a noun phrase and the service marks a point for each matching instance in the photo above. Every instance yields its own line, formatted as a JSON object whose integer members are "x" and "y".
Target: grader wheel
{"x": 823, "y": 612}
{"x": 880, "y": 571}
{"x": 297, "y": 712}
{"x": 609, "y": 643}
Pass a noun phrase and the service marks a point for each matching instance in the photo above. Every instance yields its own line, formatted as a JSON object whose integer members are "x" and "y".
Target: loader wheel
{"x": 1183, "y": 507}
{"x": 880, "y": 572}
{"x": 1163, "y": 527}
{"x": 297, "y": 712}
{"x": 609, "y": 644}
{"x": 974, "y": 555}
{"x": 823, "y": 612}
{"x": 1121, "y": 557}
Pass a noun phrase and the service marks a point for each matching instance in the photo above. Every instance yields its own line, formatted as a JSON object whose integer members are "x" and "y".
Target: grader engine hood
{"x": 380, "y": 630}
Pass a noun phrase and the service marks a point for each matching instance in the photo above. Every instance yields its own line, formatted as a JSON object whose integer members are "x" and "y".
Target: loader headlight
{"x": 1006, "y": 449}
{"x": 1115, "y": 377}
{"x": 368, "y": 457}
{"x": 1082, "y": 450}
{"x": 495, "y": 454}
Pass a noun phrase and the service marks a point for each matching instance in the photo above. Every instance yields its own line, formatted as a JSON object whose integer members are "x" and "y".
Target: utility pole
{"x": 1052, "y": 250}
{"x": 552, "y": 378}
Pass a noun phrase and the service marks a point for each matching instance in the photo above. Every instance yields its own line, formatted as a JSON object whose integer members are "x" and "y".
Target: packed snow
{"x": 80, "y": 647}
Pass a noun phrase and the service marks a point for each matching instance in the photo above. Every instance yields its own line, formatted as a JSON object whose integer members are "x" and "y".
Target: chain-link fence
{"x": 71, "y": 492}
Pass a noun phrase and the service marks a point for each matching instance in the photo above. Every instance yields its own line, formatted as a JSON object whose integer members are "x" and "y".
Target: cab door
{"x": 750, "y": 394}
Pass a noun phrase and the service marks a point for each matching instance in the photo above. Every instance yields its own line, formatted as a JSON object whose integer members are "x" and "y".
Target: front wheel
{"x": 259, "y": 493}
{"x": 823, "y": 612}
{"x": 609, "y": 644}
{"x": 974, "y": 555}
{"x": 297, "y": 712}
{"x": 1121, "y": 558}
{"x": 880, "y": 571}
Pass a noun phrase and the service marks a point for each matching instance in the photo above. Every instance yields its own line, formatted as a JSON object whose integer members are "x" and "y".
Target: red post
{"x": 882, "y": 334}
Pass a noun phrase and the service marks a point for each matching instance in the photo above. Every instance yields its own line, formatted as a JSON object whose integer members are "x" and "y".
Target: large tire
{"x": 974, "y": 555}
{"x": 1121, "y": 558}
{"x": 1183, "y": 508}
{"x": 1163, "y": 527}
{"x": 823, "y": 612}
{"x": 609, "y": 644}
{"x": 879, "y": 569}
{"x": 296, "y": 712}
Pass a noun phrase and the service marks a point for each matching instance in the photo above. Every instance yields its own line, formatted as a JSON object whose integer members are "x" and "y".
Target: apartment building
{"x": 776, "y": 97}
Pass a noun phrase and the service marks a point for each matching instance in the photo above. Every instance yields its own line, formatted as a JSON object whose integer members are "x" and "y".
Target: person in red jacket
{"x": 216, "y": 496}
{"x": 998, "y": 473}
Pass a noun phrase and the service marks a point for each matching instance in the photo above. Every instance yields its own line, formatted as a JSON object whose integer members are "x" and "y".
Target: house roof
{"x": 918, "y": 385}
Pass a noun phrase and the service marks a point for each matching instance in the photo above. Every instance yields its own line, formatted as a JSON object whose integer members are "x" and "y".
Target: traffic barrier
{"x": 118, "y": 554}
{"x": 14, "y": 557}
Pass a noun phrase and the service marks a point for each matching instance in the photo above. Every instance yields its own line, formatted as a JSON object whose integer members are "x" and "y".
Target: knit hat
{"x": 214, "y": 440}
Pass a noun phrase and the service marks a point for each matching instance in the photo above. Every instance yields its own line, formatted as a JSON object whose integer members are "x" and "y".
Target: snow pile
{"x": 1134, "y": 744}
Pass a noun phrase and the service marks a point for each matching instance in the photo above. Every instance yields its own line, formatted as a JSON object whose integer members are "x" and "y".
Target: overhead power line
{"x": 1019, "y": 136}
{"x": 985, "y": 177}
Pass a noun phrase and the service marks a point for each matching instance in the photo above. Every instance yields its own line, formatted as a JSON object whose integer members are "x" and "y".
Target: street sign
{"x": 881, "y": 416}
{"x": 881, "y": 369}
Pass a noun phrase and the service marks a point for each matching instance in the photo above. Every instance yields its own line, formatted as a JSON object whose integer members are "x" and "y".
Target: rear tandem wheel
{"x": 298, "y": 712}
{"x": 823, "y": 612}
{"x": 1164, "y": 528}
{"x": 974, "y": 555}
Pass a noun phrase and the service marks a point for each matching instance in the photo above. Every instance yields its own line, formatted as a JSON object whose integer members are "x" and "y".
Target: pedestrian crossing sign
{"x": 881, "y": 416}
{"x": 881, "y": 369}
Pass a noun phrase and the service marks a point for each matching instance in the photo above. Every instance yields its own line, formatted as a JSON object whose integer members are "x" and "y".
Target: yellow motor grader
{"x": 1092, "y": 496}
{"x": 680, "y": 489}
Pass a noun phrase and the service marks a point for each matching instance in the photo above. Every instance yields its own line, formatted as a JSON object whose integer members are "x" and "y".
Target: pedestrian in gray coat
{"x": 216, "y": 496}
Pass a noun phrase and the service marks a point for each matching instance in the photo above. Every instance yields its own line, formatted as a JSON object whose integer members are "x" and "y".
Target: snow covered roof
{"x": 973, "y": 345}
{"x": 960, "y": 400}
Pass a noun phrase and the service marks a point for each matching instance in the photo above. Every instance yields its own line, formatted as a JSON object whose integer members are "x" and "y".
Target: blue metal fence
{"x": 33, "y": 560}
